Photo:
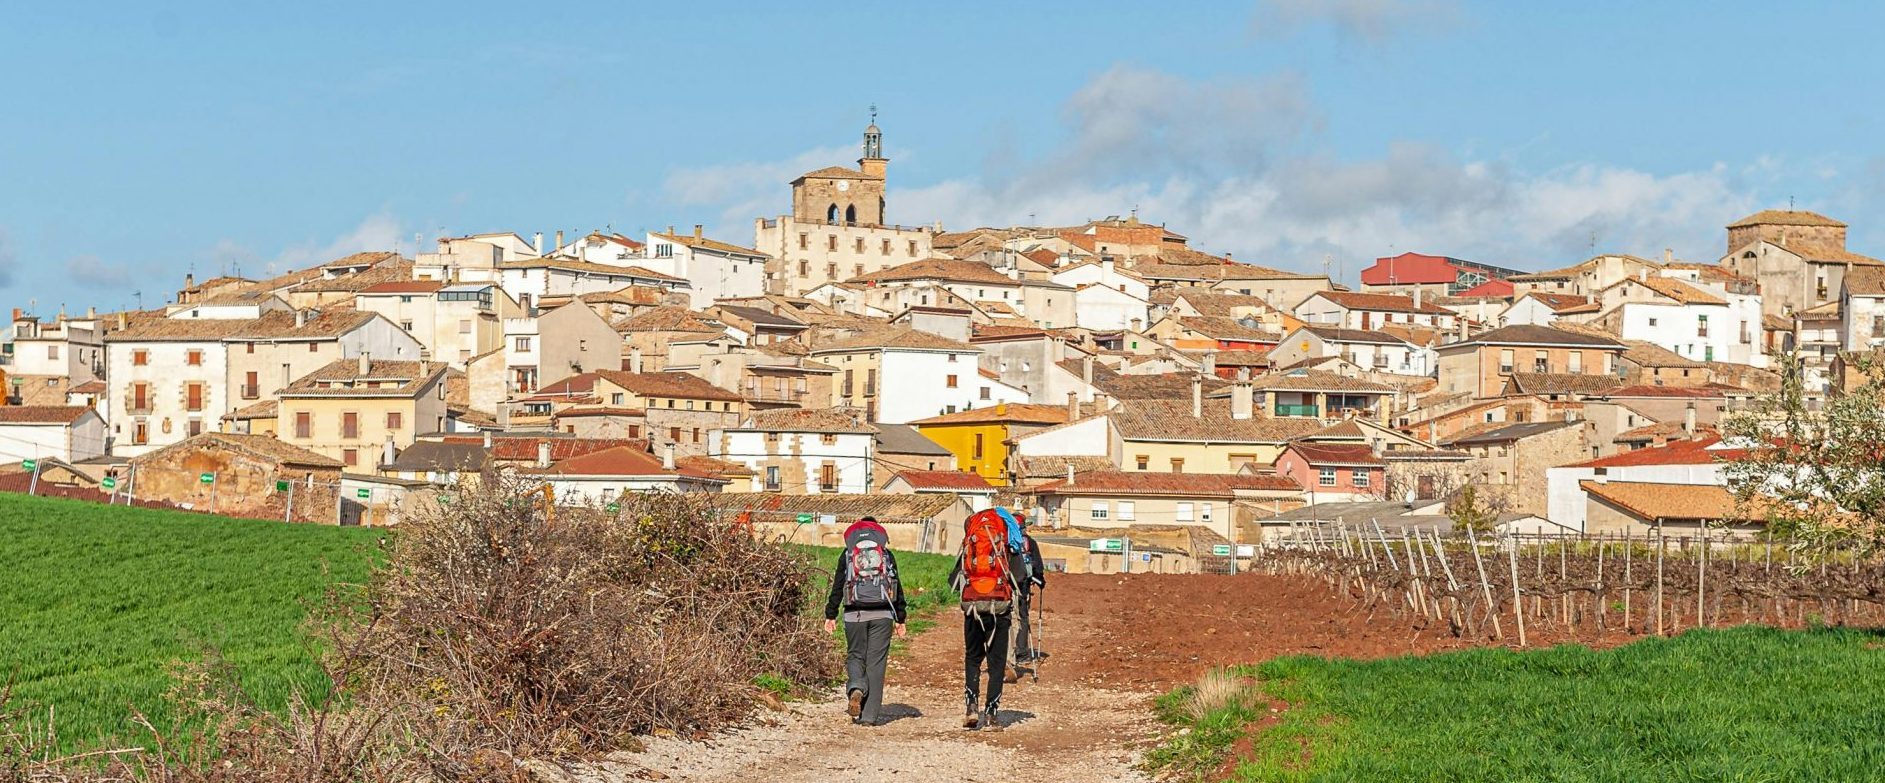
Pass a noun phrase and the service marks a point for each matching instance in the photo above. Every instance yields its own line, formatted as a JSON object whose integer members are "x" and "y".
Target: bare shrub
{"x": 523, "y": 636}
{"x": 496, "y": 635}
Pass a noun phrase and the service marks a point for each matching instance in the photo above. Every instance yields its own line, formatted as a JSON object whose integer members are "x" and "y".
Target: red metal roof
{"x": 1410, "y": 268}
{"x": 1493, "y": 288}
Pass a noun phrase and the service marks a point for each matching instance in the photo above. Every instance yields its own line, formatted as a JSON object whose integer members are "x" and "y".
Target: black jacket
{"x": 1037, "y": 572}
{"x": 834, "y": 603}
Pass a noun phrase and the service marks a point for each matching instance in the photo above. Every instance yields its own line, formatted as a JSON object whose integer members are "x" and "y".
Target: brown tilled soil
{"x": 1116, "y": 642}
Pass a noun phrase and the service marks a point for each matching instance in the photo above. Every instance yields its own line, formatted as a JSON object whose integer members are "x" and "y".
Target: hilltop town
{"x": 1155, "y": 405}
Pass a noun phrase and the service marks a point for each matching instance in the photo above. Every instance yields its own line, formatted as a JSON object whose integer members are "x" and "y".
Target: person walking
{"x": 1033, "y": 577}
{"x": 984, "y": 576}
{"x": 865, "y": 588}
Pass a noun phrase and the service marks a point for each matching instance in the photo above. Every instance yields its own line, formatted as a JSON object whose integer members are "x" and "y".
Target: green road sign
{"x": 108, "y": 483}
{"x": 804, "y": 519}
{"x": 1221, "y": 550}
{"x": 29, "y": 464}
{"x": 363, "y": 494}
{"x": 281, "y": 486}
{"x": 445, "y": 500}
{"x": 1107, "y": 545}
{"x": 207, "y": 478}
{"x": 613, "y": 507}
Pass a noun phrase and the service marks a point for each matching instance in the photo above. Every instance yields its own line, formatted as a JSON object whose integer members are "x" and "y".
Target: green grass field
{"x": 1747, "y": 704}
{"x": 96, "y": 601}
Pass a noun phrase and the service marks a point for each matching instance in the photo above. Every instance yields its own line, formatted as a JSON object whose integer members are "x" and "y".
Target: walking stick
{"x": 1038, "y": 633}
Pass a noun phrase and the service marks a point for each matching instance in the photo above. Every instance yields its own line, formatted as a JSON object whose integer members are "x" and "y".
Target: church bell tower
{"x": 873, "y": 163}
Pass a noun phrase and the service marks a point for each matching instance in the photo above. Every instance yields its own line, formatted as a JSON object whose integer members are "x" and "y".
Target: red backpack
{"x": 984, "y": 559}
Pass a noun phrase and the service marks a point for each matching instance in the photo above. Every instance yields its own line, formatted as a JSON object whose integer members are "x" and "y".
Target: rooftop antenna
{"x": 1790, "y": 203}
{"x": 140, "y": 299}
{"x": 873, "y": 114}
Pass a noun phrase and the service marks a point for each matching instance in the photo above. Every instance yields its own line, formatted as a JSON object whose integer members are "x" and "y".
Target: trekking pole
{"x": 1039, "y": 633}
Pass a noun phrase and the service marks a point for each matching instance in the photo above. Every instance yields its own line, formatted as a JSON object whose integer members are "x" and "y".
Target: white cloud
{"x": 93, "y": 272}
{"x": 1372, "y": 21}
{"x": 1240, "y": 166}
{"x": 739, "y": 192}
{"x": 380, "y": 231}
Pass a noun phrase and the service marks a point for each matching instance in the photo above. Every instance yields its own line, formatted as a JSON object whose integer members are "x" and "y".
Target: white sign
{"x": 827, "y": 519}
{"x": 1246, "y": 550}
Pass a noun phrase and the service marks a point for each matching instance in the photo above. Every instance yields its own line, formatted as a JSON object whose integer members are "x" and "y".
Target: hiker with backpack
{"x": 866, "y": 589}
{"x": 1033, "y": 578}
{"x": 984, "y": 576}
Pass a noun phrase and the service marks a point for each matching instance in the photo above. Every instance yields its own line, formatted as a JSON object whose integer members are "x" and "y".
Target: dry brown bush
{"x": 496, "y": 635}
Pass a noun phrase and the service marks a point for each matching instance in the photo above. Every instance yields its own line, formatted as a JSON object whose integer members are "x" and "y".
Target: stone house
{"x": 802, "y": 452}
{"x": 1482, "y": 364}
{"x": 244, "y": 478}
{"x": 1509, "y": 462}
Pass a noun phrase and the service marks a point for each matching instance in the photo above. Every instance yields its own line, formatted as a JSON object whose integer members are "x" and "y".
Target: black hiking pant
{"x": 867, "y": 650}
{"x": 985, "y": 641}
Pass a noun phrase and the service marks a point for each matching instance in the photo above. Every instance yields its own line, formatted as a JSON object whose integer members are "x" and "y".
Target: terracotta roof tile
{"x": 1391, "y": 303}
{"x": 665, "y": 319}
{"x": 1653, "y": 502}
{"x": 950, "y": 480}
{"x": 805, "y": 420}
{"x": 1560, "y": 383}
{"x": 523, "y": 448}
{"x": 703, "y": 243}
{"x": 668, "y": 384}
{"x": 1218, "y": 328}
{"x": 1112, "y": 482}
{"x": 1336, "y": 454}
{"x": 381, "y": 378}
{"x": 265, "y": 446}
{"x": 949, "y": 269}
{"x": 41, "y": 414}
{"x": 404, "y": 287}
{"x": 902, "y": 337}
{"x": 1786, "y": 217}
{"x": 1171, "y": 420}
{"x": 1529, "y": 334}
{"x": 1317, "y": 380}
{"x": 1005, "y": 413}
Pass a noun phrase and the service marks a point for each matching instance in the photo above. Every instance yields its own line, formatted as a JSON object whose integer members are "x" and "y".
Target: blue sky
{"x": 142, "y": 142}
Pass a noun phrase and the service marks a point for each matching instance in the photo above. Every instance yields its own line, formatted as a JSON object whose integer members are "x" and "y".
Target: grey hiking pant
{"x": 867, "y": 651}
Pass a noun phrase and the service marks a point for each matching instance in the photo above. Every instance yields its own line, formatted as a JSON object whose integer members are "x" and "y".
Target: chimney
{"x": 696, "y": 230}
{"x": 1210, "y": 364}
{"x": 121, "y": 325}
{"x": 1069, "y": 474}
{"x": 1073, "y": 405}
{"x": 634, "y": 360}
{"x": 1136, "y": 323}
{"x": 670, "y": 229}
{"x": 1416, "y": 298}
{"x": 667, "y": 457}
{"x": 503, "y": 415}
{"x": 1668, "y": 255}
{"x": 543, "y": 453}
{"x": 91, "y": 312}
{"x": 16, "y": 313}
{"x": 1374, "y": 446}
{"x": 487, "y": 439}
{"x": 1242, "y": 397}
{"x": 301, "y": 318}
{"x": 1688, "y": 421}
{"x": 189, "y": 280}
{"x": 1197, "y": 396}
{"x": 1106, "y": 268}
{"x": 1086, "y": 370}
{"x": 559, "y": 239}
{"x": 540, "y": 243}
{"x": 366, "y": 362}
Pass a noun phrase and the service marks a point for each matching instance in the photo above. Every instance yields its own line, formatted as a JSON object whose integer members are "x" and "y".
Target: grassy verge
{"x": 1747, "y": 704}
{"x": 925, "y": 586}
{"x": 97, "y": 600}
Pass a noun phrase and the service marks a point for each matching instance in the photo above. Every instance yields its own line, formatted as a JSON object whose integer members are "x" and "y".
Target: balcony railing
{"x": 776, "y": 395}
{"x": 1286, "y": 409}
{"x": 251, "y": 392}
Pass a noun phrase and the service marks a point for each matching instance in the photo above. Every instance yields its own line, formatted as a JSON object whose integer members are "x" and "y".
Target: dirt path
{"x": 1116, "y": 643}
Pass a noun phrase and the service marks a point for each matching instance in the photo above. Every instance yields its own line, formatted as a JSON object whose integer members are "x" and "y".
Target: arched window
{"x": 850, "y": 215}
{"x": 831, "y": 215}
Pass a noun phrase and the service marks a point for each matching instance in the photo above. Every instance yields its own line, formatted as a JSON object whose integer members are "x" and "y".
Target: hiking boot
{"x": 856, "y": 705}
{"x": 990, "y": 722}
{"x": 972, "y": 721}
{"x": 1013, "y": 676}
